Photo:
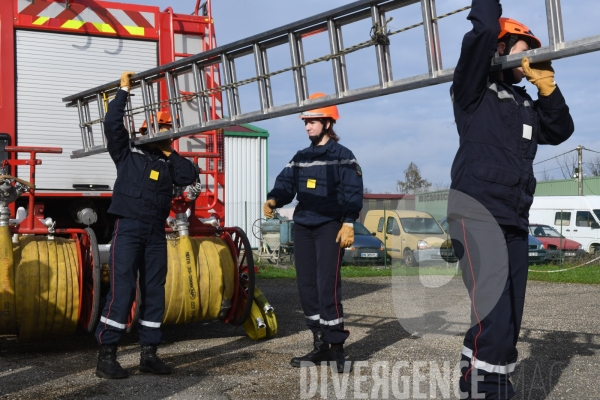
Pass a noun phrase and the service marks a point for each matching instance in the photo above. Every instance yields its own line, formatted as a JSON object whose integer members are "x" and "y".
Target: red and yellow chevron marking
{"x": 89, "y": 17}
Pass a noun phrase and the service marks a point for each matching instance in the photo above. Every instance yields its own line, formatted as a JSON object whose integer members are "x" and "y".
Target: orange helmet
{"x": 323, "y": 112}
{"x": 512, "y": 31}
{"x": 164, "y": 118}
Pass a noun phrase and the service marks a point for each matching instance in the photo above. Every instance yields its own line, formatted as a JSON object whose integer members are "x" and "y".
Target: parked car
{"x": 413, "y": 236}
{"x": 576, "y": 217}
{"x": 553, "y": 241}
{"x": 366, "y": 249}
{"x": 537, "y": 251}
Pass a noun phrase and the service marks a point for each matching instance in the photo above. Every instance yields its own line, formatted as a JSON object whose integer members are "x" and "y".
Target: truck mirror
{"x": 595, "y": 225}
{"x": 396, "y": 231}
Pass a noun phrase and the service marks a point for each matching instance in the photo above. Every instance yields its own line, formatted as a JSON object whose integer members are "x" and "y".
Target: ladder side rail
{"x": 555, "y": 24}
{"x": 83, "y": 124}
{"x": 384, "y": 69}
{"x": 228, "y": 92}
{"x": 332, "y": 31}
{"x": 432, "y": 39}
{"x": 199, "y": 89}
{"x": 101, "y": 115}
{"x": 260, "y": 72}
{"x": 172, "y": 106}
{"x": 342, "y": 58}
{"x": 268, "y": 88}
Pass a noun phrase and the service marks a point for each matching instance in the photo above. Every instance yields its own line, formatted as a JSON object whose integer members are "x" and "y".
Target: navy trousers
{"x": 489, "y": 354}
{"x": 138, "y": 247}
{"x": 318, "y": 258}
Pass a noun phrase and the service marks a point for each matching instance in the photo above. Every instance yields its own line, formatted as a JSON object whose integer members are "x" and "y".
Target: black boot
{"x": 338, "y": 357}
{"x": 318, "y": 354}
{"x": 149, "y": 362}
{"x": 108, "y": 366}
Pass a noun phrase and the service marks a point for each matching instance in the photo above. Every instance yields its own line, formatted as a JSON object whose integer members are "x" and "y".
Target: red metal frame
{"x": 8, "y": 111}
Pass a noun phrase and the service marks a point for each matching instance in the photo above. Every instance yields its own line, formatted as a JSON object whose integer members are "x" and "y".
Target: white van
{"x": 577, "y": 217}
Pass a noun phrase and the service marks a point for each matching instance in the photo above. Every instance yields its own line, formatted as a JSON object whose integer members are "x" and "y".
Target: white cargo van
{"x": 577, "y": 217}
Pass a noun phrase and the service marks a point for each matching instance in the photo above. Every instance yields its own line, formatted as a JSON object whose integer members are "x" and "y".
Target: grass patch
{"x": 589, "y": 274}
{"x": 268, "y": 271}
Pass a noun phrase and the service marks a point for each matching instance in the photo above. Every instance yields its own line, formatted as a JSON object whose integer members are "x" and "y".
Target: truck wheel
{"x": 409, "y": 258}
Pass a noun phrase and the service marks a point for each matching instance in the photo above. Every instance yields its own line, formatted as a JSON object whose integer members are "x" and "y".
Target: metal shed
{"x": 246, "y": 170}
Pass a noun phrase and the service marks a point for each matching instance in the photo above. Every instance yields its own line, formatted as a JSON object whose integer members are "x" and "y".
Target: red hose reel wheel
{"x": 91, "y": 275}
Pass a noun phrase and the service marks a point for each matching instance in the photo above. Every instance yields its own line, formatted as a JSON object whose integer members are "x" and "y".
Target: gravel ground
{"x": 559, "y": 356}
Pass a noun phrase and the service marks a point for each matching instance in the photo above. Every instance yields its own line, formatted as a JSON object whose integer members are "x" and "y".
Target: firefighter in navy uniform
{"x": 500, "y": 127}
{"x": 141, "y": 201}
{"x": 328, "y": 183}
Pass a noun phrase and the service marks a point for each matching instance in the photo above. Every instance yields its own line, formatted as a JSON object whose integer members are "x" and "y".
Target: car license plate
{"x": 368, "y": 255}
{"x": 533, "y": 254}
{"x": 570, "y": 254}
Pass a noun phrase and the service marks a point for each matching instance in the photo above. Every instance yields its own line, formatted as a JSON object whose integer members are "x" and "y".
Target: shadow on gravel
{"x": 551, "y": 353}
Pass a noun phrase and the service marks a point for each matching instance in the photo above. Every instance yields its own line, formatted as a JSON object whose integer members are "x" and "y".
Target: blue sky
{"x": 389, "y": 132}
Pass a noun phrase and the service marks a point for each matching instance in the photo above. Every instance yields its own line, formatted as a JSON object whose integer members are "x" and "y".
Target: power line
{"x": 593, "y": 151}
{"x": 552, "y": 158}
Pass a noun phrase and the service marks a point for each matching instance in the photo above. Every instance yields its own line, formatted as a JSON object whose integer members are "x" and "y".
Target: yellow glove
{"x": 126, "y": 79}
{"x": 345, "y": 236}
{"x": 268, "y": 208}
{"x": 541, "y": 75}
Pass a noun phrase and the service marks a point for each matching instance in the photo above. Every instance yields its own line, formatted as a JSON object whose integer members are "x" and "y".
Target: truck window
{"x": 420, "y": 225}
{"x": 584, "y": 218}
{"x": 380, "y": 225}
{"x": 392, "y": 226}
{"x": 563, "y": 218}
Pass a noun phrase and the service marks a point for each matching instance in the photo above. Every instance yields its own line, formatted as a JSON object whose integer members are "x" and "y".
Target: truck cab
{"x": 413, "y": 236}
{"x": 575, "y": 217}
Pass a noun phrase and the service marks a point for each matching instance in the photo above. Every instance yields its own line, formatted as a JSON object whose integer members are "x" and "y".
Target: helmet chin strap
{"x": 509, "y": 76}
{"x": 317, "y": 139}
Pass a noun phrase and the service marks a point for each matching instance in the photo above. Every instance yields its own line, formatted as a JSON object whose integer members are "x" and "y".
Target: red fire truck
{"x": 50, "y": 282}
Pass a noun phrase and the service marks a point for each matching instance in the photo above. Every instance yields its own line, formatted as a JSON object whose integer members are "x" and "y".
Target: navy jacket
{"x": 145, "y": 178}
{"x": 494, "y": 162}
{"x": 328, "y": 182}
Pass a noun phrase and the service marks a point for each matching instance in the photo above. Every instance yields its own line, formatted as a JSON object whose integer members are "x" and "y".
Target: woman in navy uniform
{"x": 327, "y": 180}
{"x": 141, "y": 201}
{"x": 500, "y": 127}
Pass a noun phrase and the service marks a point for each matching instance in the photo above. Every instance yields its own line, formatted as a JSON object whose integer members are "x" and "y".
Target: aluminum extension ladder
{"x": 189, "y": 96}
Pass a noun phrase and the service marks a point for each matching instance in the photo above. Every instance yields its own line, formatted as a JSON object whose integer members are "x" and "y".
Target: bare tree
{"x": 568, "y": 166}
{"x": 413, "y": 180}
{"x": 545, "y": 176}
{"x": 594, "y": 166}
{"x": 440, "y": 186}
{"x": 366, "y": 190}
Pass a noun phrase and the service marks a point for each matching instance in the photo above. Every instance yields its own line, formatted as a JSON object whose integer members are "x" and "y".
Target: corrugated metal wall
{"x": 245, "y": 182}
{"x": 51, "y": 66}
{"x": 568, "y": 187}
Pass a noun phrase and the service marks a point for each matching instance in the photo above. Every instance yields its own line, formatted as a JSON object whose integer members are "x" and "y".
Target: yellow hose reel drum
{"x": 42, "y": 286}
{"x": 206, "y": 280}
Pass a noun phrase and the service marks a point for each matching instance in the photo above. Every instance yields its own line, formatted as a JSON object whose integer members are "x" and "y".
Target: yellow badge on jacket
{"x": 154, "y": 175}
{"x": 311, "y": 183}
